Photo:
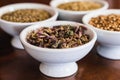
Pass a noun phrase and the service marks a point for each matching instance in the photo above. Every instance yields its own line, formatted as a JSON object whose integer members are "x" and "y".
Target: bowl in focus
{"x": 75, "y": 15}
{"x": 14, "y": 28}
{"x": 57, "y": 62}
{"x": 109, "y": 41}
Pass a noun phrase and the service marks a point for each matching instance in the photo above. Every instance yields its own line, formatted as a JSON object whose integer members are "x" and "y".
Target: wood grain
{"x": 16, "y": 64}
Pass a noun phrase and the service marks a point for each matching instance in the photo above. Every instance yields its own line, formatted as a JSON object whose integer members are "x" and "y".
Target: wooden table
{"x": 16, "y": 64}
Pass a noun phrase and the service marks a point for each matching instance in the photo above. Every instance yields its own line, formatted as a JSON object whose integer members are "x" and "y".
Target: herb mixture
{"x": 63, "y": 36}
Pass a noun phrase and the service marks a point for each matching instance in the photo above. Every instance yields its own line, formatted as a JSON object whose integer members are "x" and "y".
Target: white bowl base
{"x": 110, "y": 52}
{"x": 16, "y": 43}
{"x": 58, "y": 70}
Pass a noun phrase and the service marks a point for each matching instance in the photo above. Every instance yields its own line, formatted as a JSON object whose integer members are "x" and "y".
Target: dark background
{"x": 113, "y": 3}
{"x": 16, "y": 64}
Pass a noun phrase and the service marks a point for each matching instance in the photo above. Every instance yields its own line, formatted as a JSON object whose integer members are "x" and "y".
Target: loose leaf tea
{"x": 26, "y": 15}
{"x": 63, "y": 36}
{"x": 80, "y": 6}
{"x": 109, "y": 22}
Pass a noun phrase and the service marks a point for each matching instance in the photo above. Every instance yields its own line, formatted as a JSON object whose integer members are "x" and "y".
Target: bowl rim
{"x": 23, "y": 40}
{"x": 103, "y": 2}
{"x": 28, "y": 3}
{"x": 85, "y": 20}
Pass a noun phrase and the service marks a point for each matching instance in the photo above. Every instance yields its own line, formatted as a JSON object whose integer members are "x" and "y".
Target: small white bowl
{"x": 14, "y": 28}
{"x": 75, "y": 15}
{"x": 109, "y": 41}
{"x": 58, "y": 62}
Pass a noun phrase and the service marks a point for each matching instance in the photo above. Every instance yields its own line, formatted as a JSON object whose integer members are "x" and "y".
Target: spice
{"x": 80, "y": 6}
{"x": 63, "y": 36}
{"x": 109, "y": 22}
{"x": 26, "y": 15}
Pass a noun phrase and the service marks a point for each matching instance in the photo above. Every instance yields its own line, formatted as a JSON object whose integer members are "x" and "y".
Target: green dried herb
{"x": 26, "y": 15}
{"x": 80, "y": 6}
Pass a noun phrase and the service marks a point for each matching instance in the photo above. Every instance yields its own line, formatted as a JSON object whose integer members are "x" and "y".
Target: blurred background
{"x": 113, "y": 3}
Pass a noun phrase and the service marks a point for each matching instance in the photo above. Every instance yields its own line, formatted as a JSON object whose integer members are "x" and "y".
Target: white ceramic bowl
{"x": 75, "y": 15}
{"x": 14, "y": 28}
{"x": 109, "y": 41}
{"x": 57, "y": 62}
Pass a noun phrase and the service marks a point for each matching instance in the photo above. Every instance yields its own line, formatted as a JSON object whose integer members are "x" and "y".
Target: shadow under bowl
{"x": 58, "y": 62}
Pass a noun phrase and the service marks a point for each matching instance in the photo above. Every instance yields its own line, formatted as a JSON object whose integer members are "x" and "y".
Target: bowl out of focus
{"x": 107, "y": 26}
{"x": 16, "y": 17}
{"x": 74, "y": 10}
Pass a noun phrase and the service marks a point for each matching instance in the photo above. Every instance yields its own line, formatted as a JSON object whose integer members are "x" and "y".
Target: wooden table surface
{"x": 16, "y": 64}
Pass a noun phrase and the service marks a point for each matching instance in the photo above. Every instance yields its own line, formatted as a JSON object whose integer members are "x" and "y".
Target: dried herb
{"x": 63, "y": 36}
{"x": 80, "y": 6}
{"x": 26, "y": 15}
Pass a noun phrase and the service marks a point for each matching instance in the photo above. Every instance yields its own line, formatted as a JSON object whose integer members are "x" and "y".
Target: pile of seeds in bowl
{"x": 109, "y": 22}
{"x": 26, "y": 15}
{"x": 57, "y": 37}
{"x": 80, "y": 6}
